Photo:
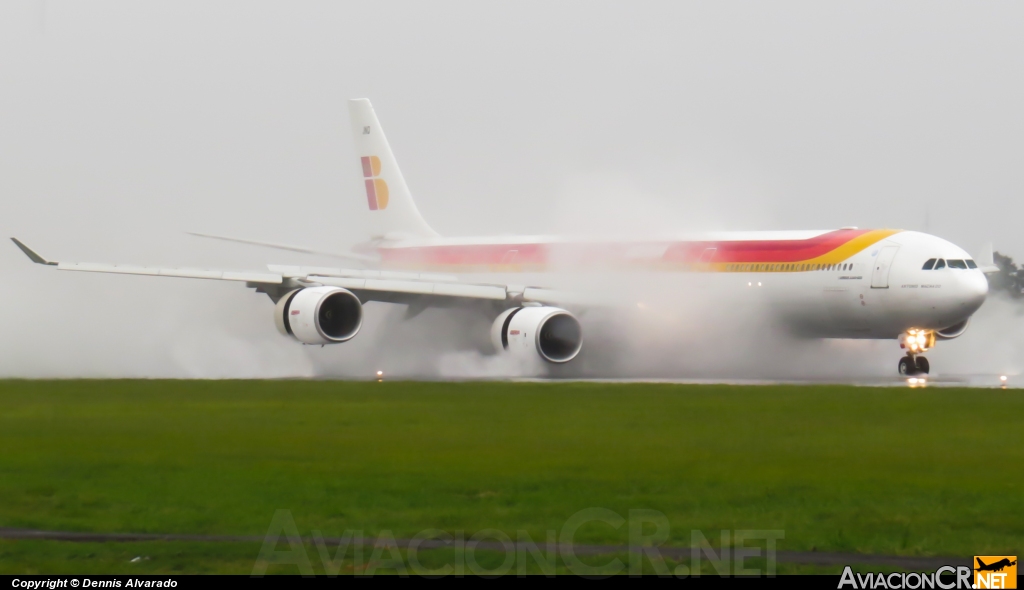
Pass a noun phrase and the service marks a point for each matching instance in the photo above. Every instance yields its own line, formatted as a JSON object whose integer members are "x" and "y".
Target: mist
{"x": 124, "y": 125}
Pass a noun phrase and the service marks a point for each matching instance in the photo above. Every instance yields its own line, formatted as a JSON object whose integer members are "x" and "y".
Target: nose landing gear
{"x": 911, "y": 365}
{"x": 915, "y": 342}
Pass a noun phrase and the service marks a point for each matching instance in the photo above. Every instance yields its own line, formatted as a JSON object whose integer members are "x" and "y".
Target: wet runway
{"x": 979, "y": 381}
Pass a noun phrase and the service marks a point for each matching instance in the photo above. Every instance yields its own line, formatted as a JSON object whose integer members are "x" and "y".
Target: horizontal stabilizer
{"x": 290, "y": 248}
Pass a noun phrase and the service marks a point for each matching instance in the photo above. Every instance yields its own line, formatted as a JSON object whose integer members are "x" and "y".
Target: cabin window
{"x": 929, "y": 264}
{"x": 940, "y": 264}
{"x": 957, "y": 264}
{"x": 971, "y": 263}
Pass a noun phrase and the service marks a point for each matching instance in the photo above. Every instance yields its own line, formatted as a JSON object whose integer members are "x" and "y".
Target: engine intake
{"x": 319, "y": 315}
{"x": 549, "y": 332}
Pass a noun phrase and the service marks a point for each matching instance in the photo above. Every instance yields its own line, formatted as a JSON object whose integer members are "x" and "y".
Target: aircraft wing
{"x": 369, "y": 285}
{"x": 187, "y": 273}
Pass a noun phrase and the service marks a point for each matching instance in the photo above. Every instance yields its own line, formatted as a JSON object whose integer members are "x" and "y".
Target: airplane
{"x": 846, "y": 283}
{"x": 994, "y": 567}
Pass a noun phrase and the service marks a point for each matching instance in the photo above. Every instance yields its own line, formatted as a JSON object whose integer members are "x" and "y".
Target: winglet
{"x": 31, "y": 254}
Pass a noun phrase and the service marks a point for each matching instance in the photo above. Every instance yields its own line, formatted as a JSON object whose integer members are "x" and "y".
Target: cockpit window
{"x": 971, "y": 264}
{"x": 957, "y": 264}
{"x": 930, "y": 264}
{"x": 940, "y": 264}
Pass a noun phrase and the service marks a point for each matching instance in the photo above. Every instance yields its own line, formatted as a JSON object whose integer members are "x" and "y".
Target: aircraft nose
{"x": 973, "y": 288}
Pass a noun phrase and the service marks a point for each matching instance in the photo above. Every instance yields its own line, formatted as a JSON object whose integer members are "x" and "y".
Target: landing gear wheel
{"x": 922, "y": 365}
{"x": 907, "y": 366}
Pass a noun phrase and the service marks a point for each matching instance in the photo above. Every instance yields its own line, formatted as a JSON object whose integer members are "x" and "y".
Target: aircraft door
{"x": 882, "y": 265}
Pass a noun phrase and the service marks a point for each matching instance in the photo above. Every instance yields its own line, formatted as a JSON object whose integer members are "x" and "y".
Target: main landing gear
{"x": 915, "y": 342}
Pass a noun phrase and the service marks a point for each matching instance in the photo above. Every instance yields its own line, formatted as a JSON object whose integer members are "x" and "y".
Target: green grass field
{"x": 869, "y": 470}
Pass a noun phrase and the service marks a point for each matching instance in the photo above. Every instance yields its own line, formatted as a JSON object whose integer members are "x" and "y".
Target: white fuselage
{"x": 839, "y": 284}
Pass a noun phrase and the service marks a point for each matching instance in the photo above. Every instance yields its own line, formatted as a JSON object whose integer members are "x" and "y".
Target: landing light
{"x": 917, "y": 341}
{"x": 380, "y": 376}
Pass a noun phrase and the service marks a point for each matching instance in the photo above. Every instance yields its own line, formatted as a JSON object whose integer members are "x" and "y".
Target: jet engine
{"x": 319, "y": 315}
{"x": 549, "y": 332}
{"x": 954, "y": 331}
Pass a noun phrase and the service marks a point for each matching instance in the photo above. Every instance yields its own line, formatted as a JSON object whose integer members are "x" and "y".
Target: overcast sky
{"x": 124, "y": 124}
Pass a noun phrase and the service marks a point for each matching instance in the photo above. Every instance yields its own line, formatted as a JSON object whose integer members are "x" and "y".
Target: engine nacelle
{"x": 319, "y": 315}
{"x": 954, "y": 331}
{"x": 549, "y": 332}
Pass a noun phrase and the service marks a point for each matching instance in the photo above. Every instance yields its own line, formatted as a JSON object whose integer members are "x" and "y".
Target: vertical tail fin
{"x": 393, "y": 213}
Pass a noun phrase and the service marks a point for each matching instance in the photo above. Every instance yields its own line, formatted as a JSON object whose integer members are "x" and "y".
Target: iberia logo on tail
{"x": 376, "y": 188}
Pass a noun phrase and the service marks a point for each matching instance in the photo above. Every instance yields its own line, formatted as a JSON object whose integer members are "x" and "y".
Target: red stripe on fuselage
{"x": 762, "y": 250}
{"x": 572, "y": 253}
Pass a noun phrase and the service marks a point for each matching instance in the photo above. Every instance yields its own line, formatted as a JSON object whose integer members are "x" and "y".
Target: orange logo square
{"x": 995, "y": 571}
